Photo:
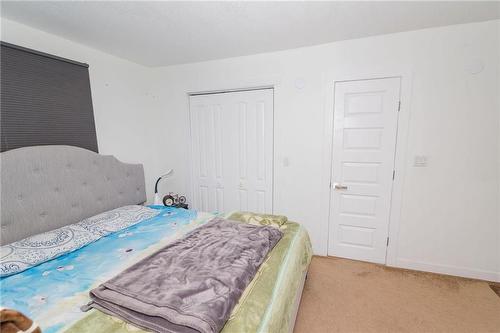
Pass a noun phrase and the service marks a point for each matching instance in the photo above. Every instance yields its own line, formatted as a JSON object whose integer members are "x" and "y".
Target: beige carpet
{"x": 342, "y": 295}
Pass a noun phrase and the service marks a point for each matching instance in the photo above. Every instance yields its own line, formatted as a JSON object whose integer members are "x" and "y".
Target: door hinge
{"x": 393, "y": 174}
{"x": 399, "y": 106}
{"x": 387, "y": 241}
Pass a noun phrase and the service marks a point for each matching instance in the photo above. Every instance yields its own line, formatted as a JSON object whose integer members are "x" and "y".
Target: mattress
{"x": 53, "y": 293}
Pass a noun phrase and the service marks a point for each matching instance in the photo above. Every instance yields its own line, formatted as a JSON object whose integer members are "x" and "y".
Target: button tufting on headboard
{"x": 46, "y": 187}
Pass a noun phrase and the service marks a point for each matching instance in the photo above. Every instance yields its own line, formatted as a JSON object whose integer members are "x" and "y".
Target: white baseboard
{"x": 448, "y": 270}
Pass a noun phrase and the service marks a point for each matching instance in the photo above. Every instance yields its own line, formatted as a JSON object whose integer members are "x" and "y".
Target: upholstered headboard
{"x": 47, "y": 187}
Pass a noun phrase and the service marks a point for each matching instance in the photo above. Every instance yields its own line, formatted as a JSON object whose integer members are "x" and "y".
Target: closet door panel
{"x": 232, "y": 151}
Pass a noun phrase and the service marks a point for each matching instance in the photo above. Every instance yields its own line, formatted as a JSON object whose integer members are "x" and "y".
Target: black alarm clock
{"x": 175, "y": 200}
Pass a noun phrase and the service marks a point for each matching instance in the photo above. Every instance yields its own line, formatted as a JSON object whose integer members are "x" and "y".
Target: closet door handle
{"x": 340, "y": 186}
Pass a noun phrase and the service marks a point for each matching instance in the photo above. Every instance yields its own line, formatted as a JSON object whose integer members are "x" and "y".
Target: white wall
{"x": 450, "y": 218}
{"x": 123, "y": 104}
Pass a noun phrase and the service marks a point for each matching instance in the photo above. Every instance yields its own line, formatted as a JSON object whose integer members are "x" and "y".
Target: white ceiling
{"x": 166, "y": 33}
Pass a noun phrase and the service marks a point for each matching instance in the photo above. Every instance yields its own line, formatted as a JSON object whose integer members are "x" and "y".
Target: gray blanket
{"x": 192, "y": 284}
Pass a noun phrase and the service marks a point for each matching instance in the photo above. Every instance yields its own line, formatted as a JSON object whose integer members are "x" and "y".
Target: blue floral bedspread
{"x": 53, "y": 292}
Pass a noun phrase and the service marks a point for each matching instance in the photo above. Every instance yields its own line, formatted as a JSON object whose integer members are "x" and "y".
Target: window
{"x": 45, "y": 100}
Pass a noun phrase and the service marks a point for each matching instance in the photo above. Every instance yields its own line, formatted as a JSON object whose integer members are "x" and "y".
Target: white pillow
{"x": 117, "y": 219}
{"x": 21, "y": 255}
{"x": 26, "y": 253}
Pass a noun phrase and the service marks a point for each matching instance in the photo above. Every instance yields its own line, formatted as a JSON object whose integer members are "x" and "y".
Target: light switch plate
{"x": 420, "y": 161}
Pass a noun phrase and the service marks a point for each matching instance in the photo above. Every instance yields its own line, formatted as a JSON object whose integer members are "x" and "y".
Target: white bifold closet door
{"x": 232, "y": 151}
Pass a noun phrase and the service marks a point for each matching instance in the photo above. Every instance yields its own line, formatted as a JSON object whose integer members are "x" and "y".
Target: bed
{"x": 47, "y": 189}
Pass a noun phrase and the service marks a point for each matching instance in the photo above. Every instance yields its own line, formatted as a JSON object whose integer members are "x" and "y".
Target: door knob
{"x": 340, "y": 186}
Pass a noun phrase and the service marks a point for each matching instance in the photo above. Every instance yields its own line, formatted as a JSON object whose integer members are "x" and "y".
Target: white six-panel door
{"x": 232, "y": 151}
{"x": 364, "y": 142}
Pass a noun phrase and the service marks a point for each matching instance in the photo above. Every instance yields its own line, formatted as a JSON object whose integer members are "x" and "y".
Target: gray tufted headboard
{"x": 47, "y": 187}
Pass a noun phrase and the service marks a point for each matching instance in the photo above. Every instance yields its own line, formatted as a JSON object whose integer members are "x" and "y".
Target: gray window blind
{"x": 45, "y": 100}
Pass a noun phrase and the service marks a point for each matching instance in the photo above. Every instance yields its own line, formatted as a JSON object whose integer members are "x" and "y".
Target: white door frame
{"x": 194, "y": 92}
{"x": 400, "y": 154}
